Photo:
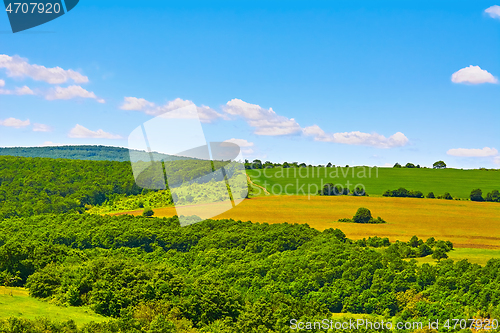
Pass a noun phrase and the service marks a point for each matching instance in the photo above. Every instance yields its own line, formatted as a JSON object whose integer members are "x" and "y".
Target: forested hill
{"x": 93, "y": 153}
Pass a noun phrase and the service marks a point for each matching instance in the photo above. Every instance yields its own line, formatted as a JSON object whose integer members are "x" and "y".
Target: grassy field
{"x": 16, "y": 302}
{"x": 465, "y": 223}
{"x": 477, "y": 256}
{"x": 459, "y": 183}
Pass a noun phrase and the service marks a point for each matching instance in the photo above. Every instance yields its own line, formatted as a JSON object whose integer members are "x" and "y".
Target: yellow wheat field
{"x": 467, "y": 224}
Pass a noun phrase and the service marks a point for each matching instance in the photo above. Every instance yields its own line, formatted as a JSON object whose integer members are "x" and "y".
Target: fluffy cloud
{"x": 244, "y": 144}
{"x": 18, "y": 91}
{"x": 24, "y": 91}
{"x": 70, "y": 93}
{"x": 20, "y": 68}
{"x": 171, "y": 110}
{"x": 493, "y": 11}
{"x": 136, "y": 104}
{"x": 16, "y": 123}
{"x": 240, "y": 142}
{"x": 463, "y": 152}
{"x": 473, "y": 75}
{"x": 357, "y": 138}
{"x": 2, "y": 83}
{"x": 41, "y": 128}
{"x": 81, "y": 132}
{"x": 265, "y": 121}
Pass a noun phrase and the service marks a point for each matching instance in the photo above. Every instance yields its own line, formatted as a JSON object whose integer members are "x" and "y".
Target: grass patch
{"x": 459, "y": 183}
{"x": 475, "y": 256}
{"x": 16, "y": 302}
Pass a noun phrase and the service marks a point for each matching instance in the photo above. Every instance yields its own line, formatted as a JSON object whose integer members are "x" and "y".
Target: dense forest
{"x": 151, "y": 275}
{"x": 64, "y": 185}
{"x": 92, "y": 153}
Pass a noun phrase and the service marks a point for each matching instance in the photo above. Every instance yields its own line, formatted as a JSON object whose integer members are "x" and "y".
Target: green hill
{"x": 93, "y": 153}
{"x": 459, "y": 183}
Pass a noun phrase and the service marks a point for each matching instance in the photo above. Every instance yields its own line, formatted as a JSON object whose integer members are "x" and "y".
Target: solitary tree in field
{"x": 431, "y": 195}
{"x": 397, "y": 165}
{"x": 476, "y": 195}
{"x": 148, "y": 212}
{"x": 363, "y": 215}
{"x": 439, "y": 165}
{"x": 329, "y": 165}
{"x": 409, "y": 165}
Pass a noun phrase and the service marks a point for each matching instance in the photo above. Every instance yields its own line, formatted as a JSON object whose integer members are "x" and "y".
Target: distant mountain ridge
{"x": 85, "y": 152}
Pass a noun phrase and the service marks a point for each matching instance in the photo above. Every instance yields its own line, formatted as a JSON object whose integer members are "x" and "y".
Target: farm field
{"x": 465, "y": 223}
{"x": 459, "y": 183}
{"x": 16, "y": 302}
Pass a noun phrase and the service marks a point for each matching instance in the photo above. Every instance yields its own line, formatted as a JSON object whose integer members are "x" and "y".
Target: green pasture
{"x": 302, "y": 181}
{"x": 16, "y": 302}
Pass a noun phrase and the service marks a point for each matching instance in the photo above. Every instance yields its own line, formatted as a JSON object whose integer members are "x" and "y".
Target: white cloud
{"x": 463, "y": 152}
{"x": 136, "y": 104}
{"x": 24, "y": 91}
{"x": 493, "y": 11}
{"x": 473, "y": 75}
{"x": 41, "y": 128}
{"x": 16, "y": 123}
{"x": 18, "y": 91}
{"x": 497, "y": 160}
{"x": 70, "y": 93}
{"x": 240, "y": 142}
{"x": 357, "y": 138}
{"x": 81, "y": 132}
{"x": 171, "y": 110}
{"x": 243, "y": 144}
{"x": 265, "y": 121}
{"x": 2, "y": 83}
{"x": 20, "y": 68}
{"x": 51, "y": 144}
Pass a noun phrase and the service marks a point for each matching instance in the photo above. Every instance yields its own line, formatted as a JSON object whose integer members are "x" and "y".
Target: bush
{"x": 363, "y": 215}
{"x": 446, "y": 196}
{"x": 403, "y": 193}
{"x": 493, "y": 196}
{"x": 431, "y": 195}
{"x": 148, "y": 212}
{"x": 476, "y": 195}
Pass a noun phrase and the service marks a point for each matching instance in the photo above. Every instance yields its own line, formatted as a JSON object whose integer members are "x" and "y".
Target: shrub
{"x": 493, "y": 196}
{"x": 148, "y": 212}
{"x": 476, "y": 195}
{"x": 363, "y": 215}
{"x": 446, "y": 196}
{"x": 431, "y": 195}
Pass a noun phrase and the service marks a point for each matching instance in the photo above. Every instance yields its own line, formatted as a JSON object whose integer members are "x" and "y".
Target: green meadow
{"x": 16, "y": 302}
{"x": 302, "y": 181}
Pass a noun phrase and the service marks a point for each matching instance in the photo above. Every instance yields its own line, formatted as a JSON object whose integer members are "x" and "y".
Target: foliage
{"x": 148, "y": 212}
{"x": 363, "y": 215}
{"x": 476, "y": 195}
{"x": 446, "y": 196}
{"x": 92, "y": 153}
{"x": 153, "y": 275}
{"x": 403, "y": 193}
{"x": 439, "y": 165}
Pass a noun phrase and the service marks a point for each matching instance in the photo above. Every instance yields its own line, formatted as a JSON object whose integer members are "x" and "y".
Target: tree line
{"x": 151, "y": 275}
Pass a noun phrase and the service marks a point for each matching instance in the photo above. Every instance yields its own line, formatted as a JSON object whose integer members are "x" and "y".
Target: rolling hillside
{"x": 301, "y": 181}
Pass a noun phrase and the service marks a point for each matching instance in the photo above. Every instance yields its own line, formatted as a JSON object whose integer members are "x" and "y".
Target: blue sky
{"x": 347, "y": 82}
